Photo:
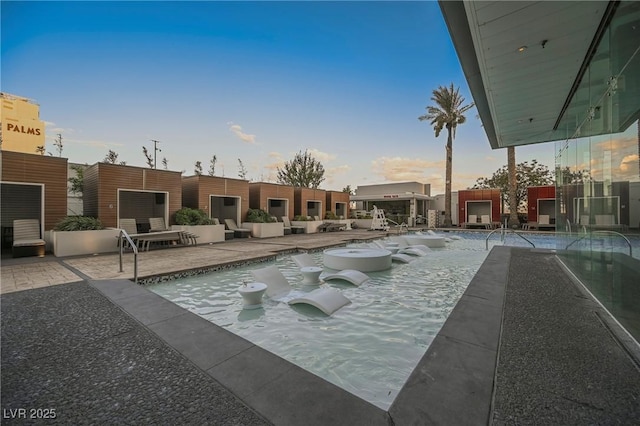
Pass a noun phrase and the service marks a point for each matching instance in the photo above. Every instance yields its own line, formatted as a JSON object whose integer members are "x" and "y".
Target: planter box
{"x": 310, "y": 226}
{"x": 264, "y": 230}
{"x": 206, "y": 233}
{"x": 73, "y": 243}
{"x": 363, "y": 223}
{"x": 342, "y": 222}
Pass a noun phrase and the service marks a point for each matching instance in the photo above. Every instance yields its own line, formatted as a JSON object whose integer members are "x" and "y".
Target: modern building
{"x": 568, "y": 73}
{"x": 402, "y": 202}
{"x": 22, "y": 129}
{"x": 222, "y": 198}
{"x": 113, "y": 192}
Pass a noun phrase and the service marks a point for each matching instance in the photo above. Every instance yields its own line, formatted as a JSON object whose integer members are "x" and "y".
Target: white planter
{"x": 341, "y": 222}
{"x": 73, "y": 243}
{"x": 363, "y": 223}
{"x": 264, "y": 230}
{"x": 206, "y": 233}
{"x": 310, "y": 226}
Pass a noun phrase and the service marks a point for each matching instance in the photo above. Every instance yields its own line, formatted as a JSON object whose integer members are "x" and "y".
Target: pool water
{"x": 369, "y": 347}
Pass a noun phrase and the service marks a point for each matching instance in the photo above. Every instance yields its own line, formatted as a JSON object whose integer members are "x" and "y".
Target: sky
{"x": 250, "y": 82}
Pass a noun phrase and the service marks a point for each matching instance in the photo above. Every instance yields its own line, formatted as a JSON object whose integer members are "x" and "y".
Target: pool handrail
{"x": 504, "y": 231}
{"x": 126, "y": 236}
{"x": 603, "y": 232}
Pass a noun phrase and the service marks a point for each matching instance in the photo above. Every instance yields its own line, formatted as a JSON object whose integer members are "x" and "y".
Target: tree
{"x": 448, "y": 112}
{"x": 198, "y": 168}
{"x": 565, "y": 176}
{"x": 348, "y": 190}
{"x": 212, "y": 165}
{"x": 148, "y": 157}
{"x": 77, "y": 181}
{"x": 112, "y": 158}
{"x": 527, "y": 175}
{"x": 58, "y": 144}
{"x": 40, "y": 149}
{"x": 303, "y": 171}
{"x": 242, "y": 171}
{"x": 165, "y": 163}
{"x": 513, "y": 186}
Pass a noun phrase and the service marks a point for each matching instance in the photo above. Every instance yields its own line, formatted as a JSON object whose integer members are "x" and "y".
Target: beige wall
{"x": 22, "y": 129}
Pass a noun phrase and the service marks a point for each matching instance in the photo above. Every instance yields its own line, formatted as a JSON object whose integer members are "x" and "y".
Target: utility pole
{"x": 155, "y": 150}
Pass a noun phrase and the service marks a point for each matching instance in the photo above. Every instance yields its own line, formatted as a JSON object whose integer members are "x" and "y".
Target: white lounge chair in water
{"x": 400, "y": 255}
{"x": 328, "y": 300}
{"x": 351, "y": 275}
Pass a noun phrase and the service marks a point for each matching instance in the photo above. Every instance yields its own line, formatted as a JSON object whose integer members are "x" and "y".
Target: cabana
{"x": 222, "y": 198}
{"x": 541, "y": 201}
{"x": 476, "y": 204}
{"x": 338, "y": 203}
{"x": 310, "y": 202}
{"x": 32, "y": 187}
{"x": 598, "y": 205}
{"x": 275, "y": 199}
{"x": 113, "y": 192}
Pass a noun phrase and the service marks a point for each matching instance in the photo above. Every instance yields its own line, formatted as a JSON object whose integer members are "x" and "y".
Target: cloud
{"x": 245, "y": 137}
{"x": 625, "y": 164}
{"x": 397, "y": 169}
{"x": 321, "y": 156}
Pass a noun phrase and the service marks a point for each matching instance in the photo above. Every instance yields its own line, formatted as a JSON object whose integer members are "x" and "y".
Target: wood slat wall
{"x": 259, "y": 192}
{"x": 50, "y": 171}
{"x": 105, "y": 180}
{"x": 334, "y": 197}
{"x": 302, "y": 195}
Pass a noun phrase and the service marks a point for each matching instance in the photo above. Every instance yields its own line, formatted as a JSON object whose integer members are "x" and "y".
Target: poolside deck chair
{"x": 472, "y": 219}
{"x": 294, "y": 229}
{"x": 228, "y": 233}
{"x": 157, "y": 224}
{"x": 485, "y": 220}
{"x": 237, "y": 231}
{"x": 351, "y": 275}
{"x": 26, "y": 238}
{"x": 328, "y": 300}
{"x": 129, "y": 225}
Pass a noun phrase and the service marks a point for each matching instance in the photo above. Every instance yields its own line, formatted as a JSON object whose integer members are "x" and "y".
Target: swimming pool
{"x": 369, "y": 347}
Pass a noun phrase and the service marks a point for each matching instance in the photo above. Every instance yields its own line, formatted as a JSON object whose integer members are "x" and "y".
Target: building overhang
{"x": 524, "y": 62}
{"x": 391, "y": 197}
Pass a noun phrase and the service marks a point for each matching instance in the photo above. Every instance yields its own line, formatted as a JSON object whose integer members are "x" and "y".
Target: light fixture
{"x": 522, "y": 48}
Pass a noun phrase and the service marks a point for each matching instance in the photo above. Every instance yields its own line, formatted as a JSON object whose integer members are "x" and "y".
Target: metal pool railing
{"x": 604, "y": 232}
{"x": 503, "y": 231}
{"x": 126, "y": 236}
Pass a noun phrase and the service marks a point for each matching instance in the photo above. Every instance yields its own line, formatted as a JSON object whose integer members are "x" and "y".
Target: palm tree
{"x": 513, "y": 186}
{"x": 447, "y": 113}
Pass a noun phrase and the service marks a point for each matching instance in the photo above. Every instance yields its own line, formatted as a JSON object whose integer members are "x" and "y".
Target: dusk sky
{"x": 255, "y": 81}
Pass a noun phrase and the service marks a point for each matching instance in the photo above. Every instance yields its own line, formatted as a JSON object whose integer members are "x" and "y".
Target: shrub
{"x": 301, "y": 218}
{"x": 191, "y": 217}
{"x": 259, "y": 216}
{"x": 78, "y": 223}
{"x": 330, "y": 215}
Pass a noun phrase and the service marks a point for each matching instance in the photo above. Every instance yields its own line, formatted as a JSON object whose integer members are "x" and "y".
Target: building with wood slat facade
{"x": 221, "y": 197}
{"x": 113, "y": 192}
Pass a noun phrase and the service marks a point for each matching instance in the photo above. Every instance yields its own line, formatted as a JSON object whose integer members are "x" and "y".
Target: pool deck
{"x": 525, "y": 345}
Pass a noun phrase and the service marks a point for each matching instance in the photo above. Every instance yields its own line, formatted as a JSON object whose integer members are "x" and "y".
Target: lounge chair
{"x": 294, "y": 229}
{"x": 237, "y": 232}
{"x": 328, "y": 300}
{"x": 606, "y": 221}
{"x": 472, "y": 220}
{"x": 129, "y": 225}
{"x": 351, "y": 275}
{"x": 485, "y": 220}
{"x": 157, "y": 224}
{"x": 26, "y": 238}
{"x": 395, "y": 252}
{"x": 228, "y": 233}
